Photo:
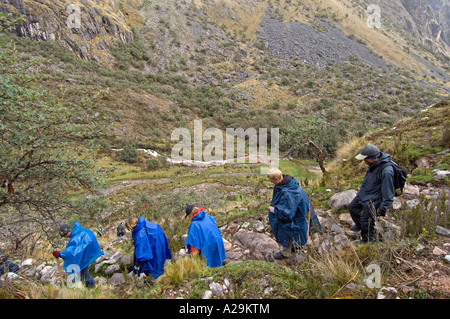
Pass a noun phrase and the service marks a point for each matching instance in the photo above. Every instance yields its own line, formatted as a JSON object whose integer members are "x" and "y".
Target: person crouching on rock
{"x": 204, "y": 237}
{"x": 151, "y": 248}
{"x": 287, "y": 213}
{"x": 81, "y": 251}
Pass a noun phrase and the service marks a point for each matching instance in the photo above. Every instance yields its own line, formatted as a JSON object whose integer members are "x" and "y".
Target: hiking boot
{"x": 355, "y": 228}
{"x": 279, "y": 255}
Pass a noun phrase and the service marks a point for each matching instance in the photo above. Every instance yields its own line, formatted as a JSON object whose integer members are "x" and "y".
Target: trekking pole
{"x": 60, "y": 272}
{"x": 59, "y": 267}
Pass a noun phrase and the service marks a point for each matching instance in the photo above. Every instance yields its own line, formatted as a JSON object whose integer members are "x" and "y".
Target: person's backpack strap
{"x": 382, "y": 167}
{"x": 399, "y": 176}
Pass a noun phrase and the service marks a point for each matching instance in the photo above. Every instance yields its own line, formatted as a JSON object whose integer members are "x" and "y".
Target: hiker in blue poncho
{"x": 151, "y": 248}
{"x": 81, "y": 251}
{"x": 204, "y": 237}
{"x": 287, "y": 213}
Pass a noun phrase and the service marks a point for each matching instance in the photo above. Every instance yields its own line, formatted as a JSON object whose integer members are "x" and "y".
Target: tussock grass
{"x": 182, "y": 269}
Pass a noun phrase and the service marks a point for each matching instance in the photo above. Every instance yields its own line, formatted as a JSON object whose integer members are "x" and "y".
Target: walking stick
{"x": 60, "y": 272}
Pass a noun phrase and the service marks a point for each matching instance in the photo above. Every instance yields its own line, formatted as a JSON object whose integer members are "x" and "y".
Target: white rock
{"x": 207, "y": 294}
{"x": 412, "y": 203}
{"x": 182, "y": 252}
{"x": 114, "y": 258}
{"x": 387, "y": 293}
{"x": 397, "y": 204}
{"x": 227, "y": 245}
{"x": 437, "y": 251}
{"x": 216, "y": 289}
{"x": 259, "y": 226}
{"x": 27, "y": 262}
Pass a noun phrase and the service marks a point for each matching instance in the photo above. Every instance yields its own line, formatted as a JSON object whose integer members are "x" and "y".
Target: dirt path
{"x": 119, "y": 185}
{"x": 312, "y": 169}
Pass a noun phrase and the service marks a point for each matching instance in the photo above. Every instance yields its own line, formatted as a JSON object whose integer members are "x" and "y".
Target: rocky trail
{"x": 250, "y": 238}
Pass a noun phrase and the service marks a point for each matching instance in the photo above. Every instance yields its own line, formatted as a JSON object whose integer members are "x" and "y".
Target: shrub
{"x": 129, "y": 154}
{"x": 153, "y": 163}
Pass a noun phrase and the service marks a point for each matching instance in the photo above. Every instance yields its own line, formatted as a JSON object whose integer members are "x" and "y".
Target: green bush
{"x": 129, "y": 154}
{"x": 153, "y": 163}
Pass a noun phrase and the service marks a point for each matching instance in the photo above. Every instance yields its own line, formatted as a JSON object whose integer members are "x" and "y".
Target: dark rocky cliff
{"x": 101, "y": 23}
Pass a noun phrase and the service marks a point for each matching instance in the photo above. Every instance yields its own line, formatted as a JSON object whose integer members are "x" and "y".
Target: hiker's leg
{"x": 284, "y": 252}
{"x": 368, "y": 223}
{"x": 287, "y": 251}
{"x": 355, "y": 208}
{"x": 86, "y": 278}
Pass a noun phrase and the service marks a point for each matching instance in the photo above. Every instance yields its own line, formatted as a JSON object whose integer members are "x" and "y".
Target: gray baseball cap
{"x": 64, "y": 230}
{"x": 369, "y": 151}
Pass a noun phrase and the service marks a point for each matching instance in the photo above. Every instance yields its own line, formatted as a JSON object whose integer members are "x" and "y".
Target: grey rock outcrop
{"x": 260, "y": 246}
{"x": 341, "y": 200}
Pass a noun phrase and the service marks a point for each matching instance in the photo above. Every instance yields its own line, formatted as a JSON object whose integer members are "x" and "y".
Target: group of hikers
{"x": 291, "y": 217}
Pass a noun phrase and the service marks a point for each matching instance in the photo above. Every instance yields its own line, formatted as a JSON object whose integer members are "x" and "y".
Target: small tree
{"x": 153, "y": 163}
{"x": 129, "y": 154}
{"x": 44, "y": 144}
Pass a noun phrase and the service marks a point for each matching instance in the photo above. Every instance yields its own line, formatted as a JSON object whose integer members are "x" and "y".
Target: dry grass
{"x": 182, "y": 268}
{"x": 236, "y": 16}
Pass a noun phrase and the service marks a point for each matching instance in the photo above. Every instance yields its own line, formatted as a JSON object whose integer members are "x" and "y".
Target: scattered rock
{"x": 112, "y": 269}
{"x": 346, "y": 219}
{"x": 227, "y": 245}
{"x": 412, "y": 203}
{"x": 114, "y": 258}
{"x": 260, "y": 246}
{"x": 27, "y": 262}
{"x": 397, "y": 204}
{"x": 258, "y": 226}
{"x": 422, "y": 163}
{"x": 443, "y": 231}
{"x": 342, "y": 200}
{"x": 126, "y": 260}
{"x": 387, "y": 293}
{"x": 117, "y": 279}
{"x": 207, "y": 294}
{"x": 411, "y": 191}
{"x": 440, "y": 175}
{"x": 437, "y": 251}
{"x": 216, "y": 289}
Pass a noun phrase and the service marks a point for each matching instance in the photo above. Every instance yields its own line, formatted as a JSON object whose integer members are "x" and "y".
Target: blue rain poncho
{"x": 151, "y": 248}
{"x": 81, "y": 250}
{"x": 204, "y": 235}
{"x": 291, "y": 205}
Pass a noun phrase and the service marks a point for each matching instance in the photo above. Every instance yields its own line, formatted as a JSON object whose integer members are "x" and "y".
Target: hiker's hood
{"x": 75, "y": 229}
{"x": 200, "y": 215}
{"x": 384, "y": 158}
{"x": 140, "y": 224}
{"x": 288, "y": 182}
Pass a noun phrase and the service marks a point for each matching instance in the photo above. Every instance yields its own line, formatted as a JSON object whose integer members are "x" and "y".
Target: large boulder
{"x": 260, "y": 246}
{"x": 342, "y": 200}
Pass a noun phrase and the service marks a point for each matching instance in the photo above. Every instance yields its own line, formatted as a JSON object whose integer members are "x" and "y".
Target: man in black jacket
{"x": 376, "y": 194}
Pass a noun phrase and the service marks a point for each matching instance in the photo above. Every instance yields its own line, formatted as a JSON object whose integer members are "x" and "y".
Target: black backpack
{"x": 399, "y": 178}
